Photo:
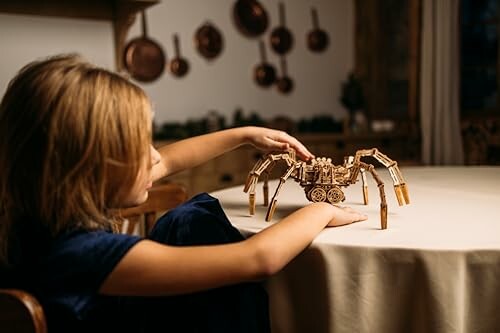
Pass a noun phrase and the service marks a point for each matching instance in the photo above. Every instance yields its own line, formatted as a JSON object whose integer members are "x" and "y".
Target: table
{"x": 435, "y": 269}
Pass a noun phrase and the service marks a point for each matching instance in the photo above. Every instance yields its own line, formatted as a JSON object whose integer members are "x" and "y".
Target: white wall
{"x": 25, "y": 38}
{"x": 223, "y": 84}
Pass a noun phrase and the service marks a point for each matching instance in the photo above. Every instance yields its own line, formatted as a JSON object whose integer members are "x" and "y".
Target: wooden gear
{"x": 323, "y": 181}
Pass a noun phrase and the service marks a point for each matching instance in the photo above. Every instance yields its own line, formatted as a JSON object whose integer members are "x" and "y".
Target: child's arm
{"x": 151, "y": 268}
{"x": 191, "y": 152}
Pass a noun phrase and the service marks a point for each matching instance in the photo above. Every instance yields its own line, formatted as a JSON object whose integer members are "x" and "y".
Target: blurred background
{"x": 416, "y": 78}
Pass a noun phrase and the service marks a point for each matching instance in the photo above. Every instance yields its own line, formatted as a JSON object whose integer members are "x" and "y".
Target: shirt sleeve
{"x": 76, "y": 266}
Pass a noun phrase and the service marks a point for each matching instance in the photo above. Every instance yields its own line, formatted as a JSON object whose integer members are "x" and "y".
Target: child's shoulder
{"x": 91, "y": 242}
{"x": 83, "y": 255}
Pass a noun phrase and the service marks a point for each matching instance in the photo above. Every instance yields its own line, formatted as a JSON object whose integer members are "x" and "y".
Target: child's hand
{"x": 269, "y": 139}
{"x": 346, "y": 215}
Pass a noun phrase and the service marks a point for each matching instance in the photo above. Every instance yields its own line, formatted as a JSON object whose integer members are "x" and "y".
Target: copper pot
{"x": 284, "y": 84}
{"x": 178, "y": 66}
{"x": 317, "y": 39}
{"x": 143, "y": 57}
{"x": 209, "y": 41}
{"x": 264, "y": 73}
{"x": 281, "y": 37}
{"x": 250, "y": 17}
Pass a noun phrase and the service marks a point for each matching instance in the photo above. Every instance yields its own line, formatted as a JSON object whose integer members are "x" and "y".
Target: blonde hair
{"x": 73, "y": 138}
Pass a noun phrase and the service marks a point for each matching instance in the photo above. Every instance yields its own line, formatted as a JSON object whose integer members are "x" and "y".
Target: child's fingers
{"x": 299, "y": 148}
{"x": 361, "y": 217}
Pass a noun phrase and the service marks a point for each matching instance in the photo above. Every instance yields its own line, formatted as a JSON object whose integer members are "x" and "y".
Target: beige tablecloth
{"x": 435, "y": 269}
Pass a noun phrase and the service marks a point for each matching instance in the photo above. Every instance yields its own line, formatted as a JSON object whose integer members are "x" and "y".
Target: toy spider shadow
{"x": 322, "y": 180}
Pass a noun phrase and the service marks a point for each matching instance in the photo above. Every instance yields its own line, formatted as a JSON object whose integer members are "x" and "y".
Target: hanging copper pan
{"x": 284, "y": 83}
{"x": 281, "y": 37}
{"x": 250, "y": 17}
{"x": 264, "y": 73}
{"x": 178, "y": 66}
{"x": 143, "y": 57}
{"x": 317, "y": 39}
{"x": 208, "y": 41}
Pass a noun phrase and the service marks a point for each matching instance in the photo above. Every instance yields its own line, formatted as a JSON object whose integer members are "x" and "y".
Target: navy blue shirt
{"x": 65, "y": 275}
{"x": 76, "y": 265}
{"x": 66, "y": 272}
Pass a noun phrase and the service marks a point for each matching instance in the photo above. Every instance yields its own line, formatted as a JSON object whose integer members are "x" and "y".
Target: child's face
{"x": 139, "y": 191}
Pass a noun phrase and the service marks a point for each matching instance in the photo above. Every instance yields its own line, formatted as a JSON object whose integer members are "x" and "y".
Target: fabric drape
{"x": 439, "y": 84}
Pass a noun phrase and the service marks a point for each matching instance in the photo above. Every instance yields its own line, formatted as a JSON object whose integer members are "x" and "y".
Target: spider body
{"x": 323, "y": 181}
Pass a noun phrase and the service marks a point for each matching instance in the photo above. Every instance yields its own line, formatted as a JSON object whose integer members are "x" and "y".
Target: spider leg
{"x": 252, "y": 179}
{"x": 272, "y": 206}
{"x": 265, "y": 187}
{"x": 365, "y": 186}
{"x": 383, "y": 202}
{"x": 400, "y": 187}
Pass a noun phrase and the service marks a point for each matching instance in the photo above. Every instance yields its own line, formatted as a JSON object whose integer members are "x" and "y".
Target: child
{"x": 75, "y": 145}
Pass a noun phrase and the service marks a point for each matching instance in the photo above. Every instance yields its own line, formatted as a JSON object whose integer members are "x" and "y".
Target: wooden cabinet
{"x": 228, "y": 170}
{"x": 232, "y": 169}
{"x": 387, "y": 35}
{"x": 120, "y": 12}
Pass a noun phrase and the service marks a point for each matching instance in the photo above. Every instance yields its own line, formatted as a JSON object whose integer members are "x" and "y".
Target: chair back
{"x": 20, "y": 312}
{"x": 161, "y": 198}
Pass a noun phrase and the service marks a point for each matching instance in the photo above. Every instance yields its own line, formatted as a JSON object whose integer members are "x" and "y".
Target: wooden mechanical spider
{"x": 323, "y": 181}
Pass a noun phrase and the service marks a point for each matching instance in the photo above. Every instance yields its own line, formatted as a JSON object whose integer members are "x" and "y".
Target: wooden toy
{"x": 323, "y": 181}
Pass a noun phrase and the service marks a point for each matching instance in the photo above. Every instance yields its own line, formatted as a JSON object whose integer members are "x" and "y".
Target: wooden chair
{"x": 20, "y": 312}
{"x": 161, "y": 198}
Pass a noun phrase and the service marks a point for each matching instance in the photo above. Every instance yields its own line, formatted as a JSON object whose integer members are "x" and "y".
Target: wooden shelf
{"x": 121, "y": 12}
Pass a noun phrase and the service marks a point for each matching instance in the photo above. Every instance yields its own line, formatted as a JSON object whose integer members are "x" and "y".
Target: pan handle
{"x": 144, "y": 24}
{"x": 284, "y": 69}
{"x": 281, "y": 8}
{"x": 176, "y": 45}
{"x": 262, "y": 51}
{"x": 315, "y": 20}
